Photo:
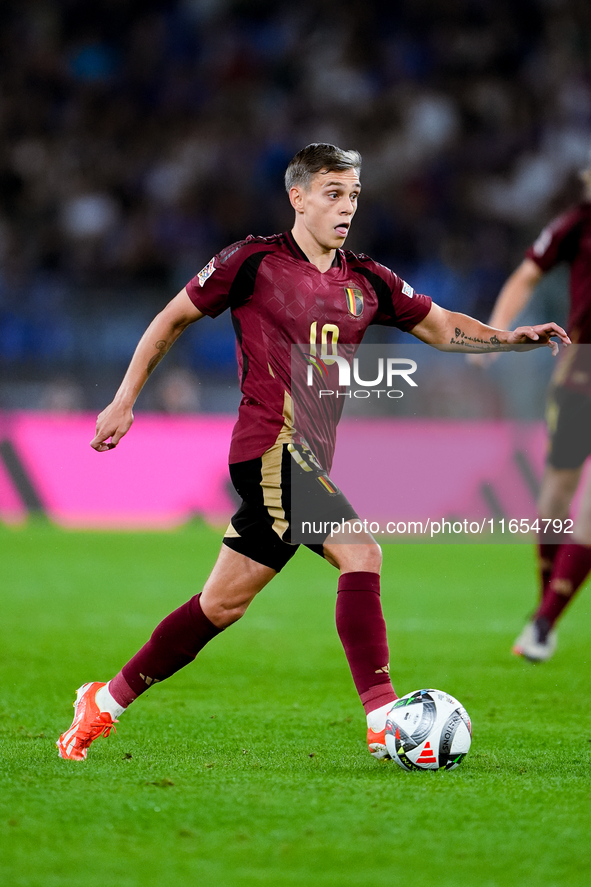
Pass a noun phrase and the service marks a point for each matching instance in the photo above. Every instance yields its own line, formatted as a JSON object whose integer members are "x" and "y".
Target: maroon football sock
{"x": 547, "y": 552}
{"x": 362, "y": 630}
{"x": 571, "y": 568}
{"x": 174, "y": 643}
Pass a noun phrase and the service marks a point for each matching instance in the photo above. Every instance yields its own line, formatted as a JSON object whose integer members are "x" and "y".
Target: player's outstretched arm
{"x": 116, "y": 419}
{"x": 451, "y": 331}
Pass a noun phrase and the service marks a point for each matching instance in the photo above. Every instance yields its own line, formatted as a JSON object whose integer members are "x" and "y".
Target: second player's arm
{"x": 515, "y": 294}
{"x": 452, "y": 331}
{"x": 513, "y": 298}
{"x": 116, "y": 419}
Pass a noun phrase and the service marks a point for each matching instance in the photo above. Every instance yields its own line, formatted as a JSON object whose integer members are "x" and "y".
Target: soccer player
{"x": 301, "y": 289}
{"x": 563, "y": 563}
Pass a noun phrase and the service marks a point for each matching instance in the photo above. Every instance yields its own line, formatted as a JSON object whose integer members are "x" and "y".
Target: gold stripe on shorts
{"x": 271, "y": 470}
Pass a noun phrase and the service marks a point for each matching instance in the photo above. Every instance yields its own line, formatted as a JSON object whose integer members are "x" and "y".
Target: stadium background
{"x": 138, "y": 138}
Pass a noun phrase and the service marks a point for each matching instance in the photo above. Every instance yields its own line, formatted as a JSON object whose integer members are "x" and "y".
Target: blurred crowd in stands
{"x": 140, "y": 136}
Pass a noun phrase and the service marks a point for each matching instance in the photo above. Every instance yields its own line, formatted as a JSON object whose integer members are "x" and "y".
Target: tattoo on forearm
{"x": 162, "y": 347}
{"x": 475, "y": 343}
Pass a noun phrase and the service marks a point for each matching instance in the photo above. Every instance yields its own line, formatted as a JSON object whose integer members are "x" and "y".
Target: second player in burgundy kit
{"x": 295, "y": 289}
{"x": 563, "y": 565}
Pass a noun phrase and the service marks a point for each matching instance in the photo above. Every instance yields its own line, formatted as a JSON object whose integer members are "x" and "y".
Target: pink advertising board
{"x": 170, "y": 469}
{"x": 416, "y": 469}
{"x": 163, "y": 473}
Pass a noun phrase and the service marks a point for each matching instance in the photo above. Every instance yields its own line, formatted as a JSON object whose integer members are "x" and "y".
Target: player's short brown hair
{"x": 317, "y": 157}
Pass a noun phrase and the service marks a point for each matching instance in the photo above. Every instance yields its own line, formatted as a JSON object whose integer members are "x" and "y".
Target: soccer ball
{"x": 428, "y": 730}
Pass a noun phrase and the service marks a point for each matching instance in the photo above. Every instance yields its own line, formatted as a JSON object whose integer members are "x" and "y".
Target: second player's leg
{"x": 559, "y": 486}
{"x": 582, "y": 528}
{"x": 571, "y": 566}
{"x": 564, "y": 560}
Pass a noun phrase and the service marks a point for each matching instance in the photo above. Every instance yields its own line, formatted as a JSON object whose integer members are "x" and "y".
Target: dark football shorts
{"x": 285, "y": 484}
{"x": 569, "y": 426}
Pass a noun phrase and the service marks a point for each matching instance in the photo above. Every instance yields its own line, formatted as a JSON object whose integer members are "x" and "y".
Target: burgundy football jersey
{"x": 285, "y": 312}
{"x": 568, "y": 239}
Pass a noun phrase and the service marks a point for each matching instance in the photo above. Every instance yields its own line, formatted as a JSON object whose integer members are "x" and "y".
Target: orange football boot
{"x": 89, "y": 723}
{"x": 376, "y": 743}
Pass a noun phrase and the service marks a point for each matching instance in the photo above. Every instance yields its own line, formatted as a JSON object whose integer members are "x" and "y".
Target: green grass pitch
{"x": 249, "y": 767}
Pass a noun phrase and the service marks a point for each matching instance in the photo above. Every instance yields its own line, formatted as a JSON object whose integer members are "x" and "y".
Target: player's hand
{"x": 111, "y": 425}
{"x": 541, "y": 334}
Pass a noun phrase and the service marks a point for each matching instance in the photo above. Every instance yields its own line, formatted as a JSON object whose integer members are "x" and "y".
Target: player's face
{"x": 327, "y": 207}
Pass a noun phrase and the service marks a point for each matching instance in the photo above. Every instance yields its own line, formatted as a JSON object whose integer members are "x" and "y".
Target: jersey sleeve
{"x": 398, "y": 304}
{"x": 557, "y": 242}
{"x": 223, "y": 283}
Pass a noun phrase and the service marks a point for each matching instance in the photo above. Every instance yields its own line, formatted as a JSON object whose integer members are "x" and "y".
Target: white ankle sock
{"x": 105, "y": 702}
{"x": 376, "y": 719}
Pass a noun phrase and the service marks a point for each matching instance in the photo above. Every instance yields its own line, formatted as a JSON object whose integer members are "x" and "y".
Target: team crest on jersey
{"x": 206, "y": 272}
{"x": 354, "y": 301}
